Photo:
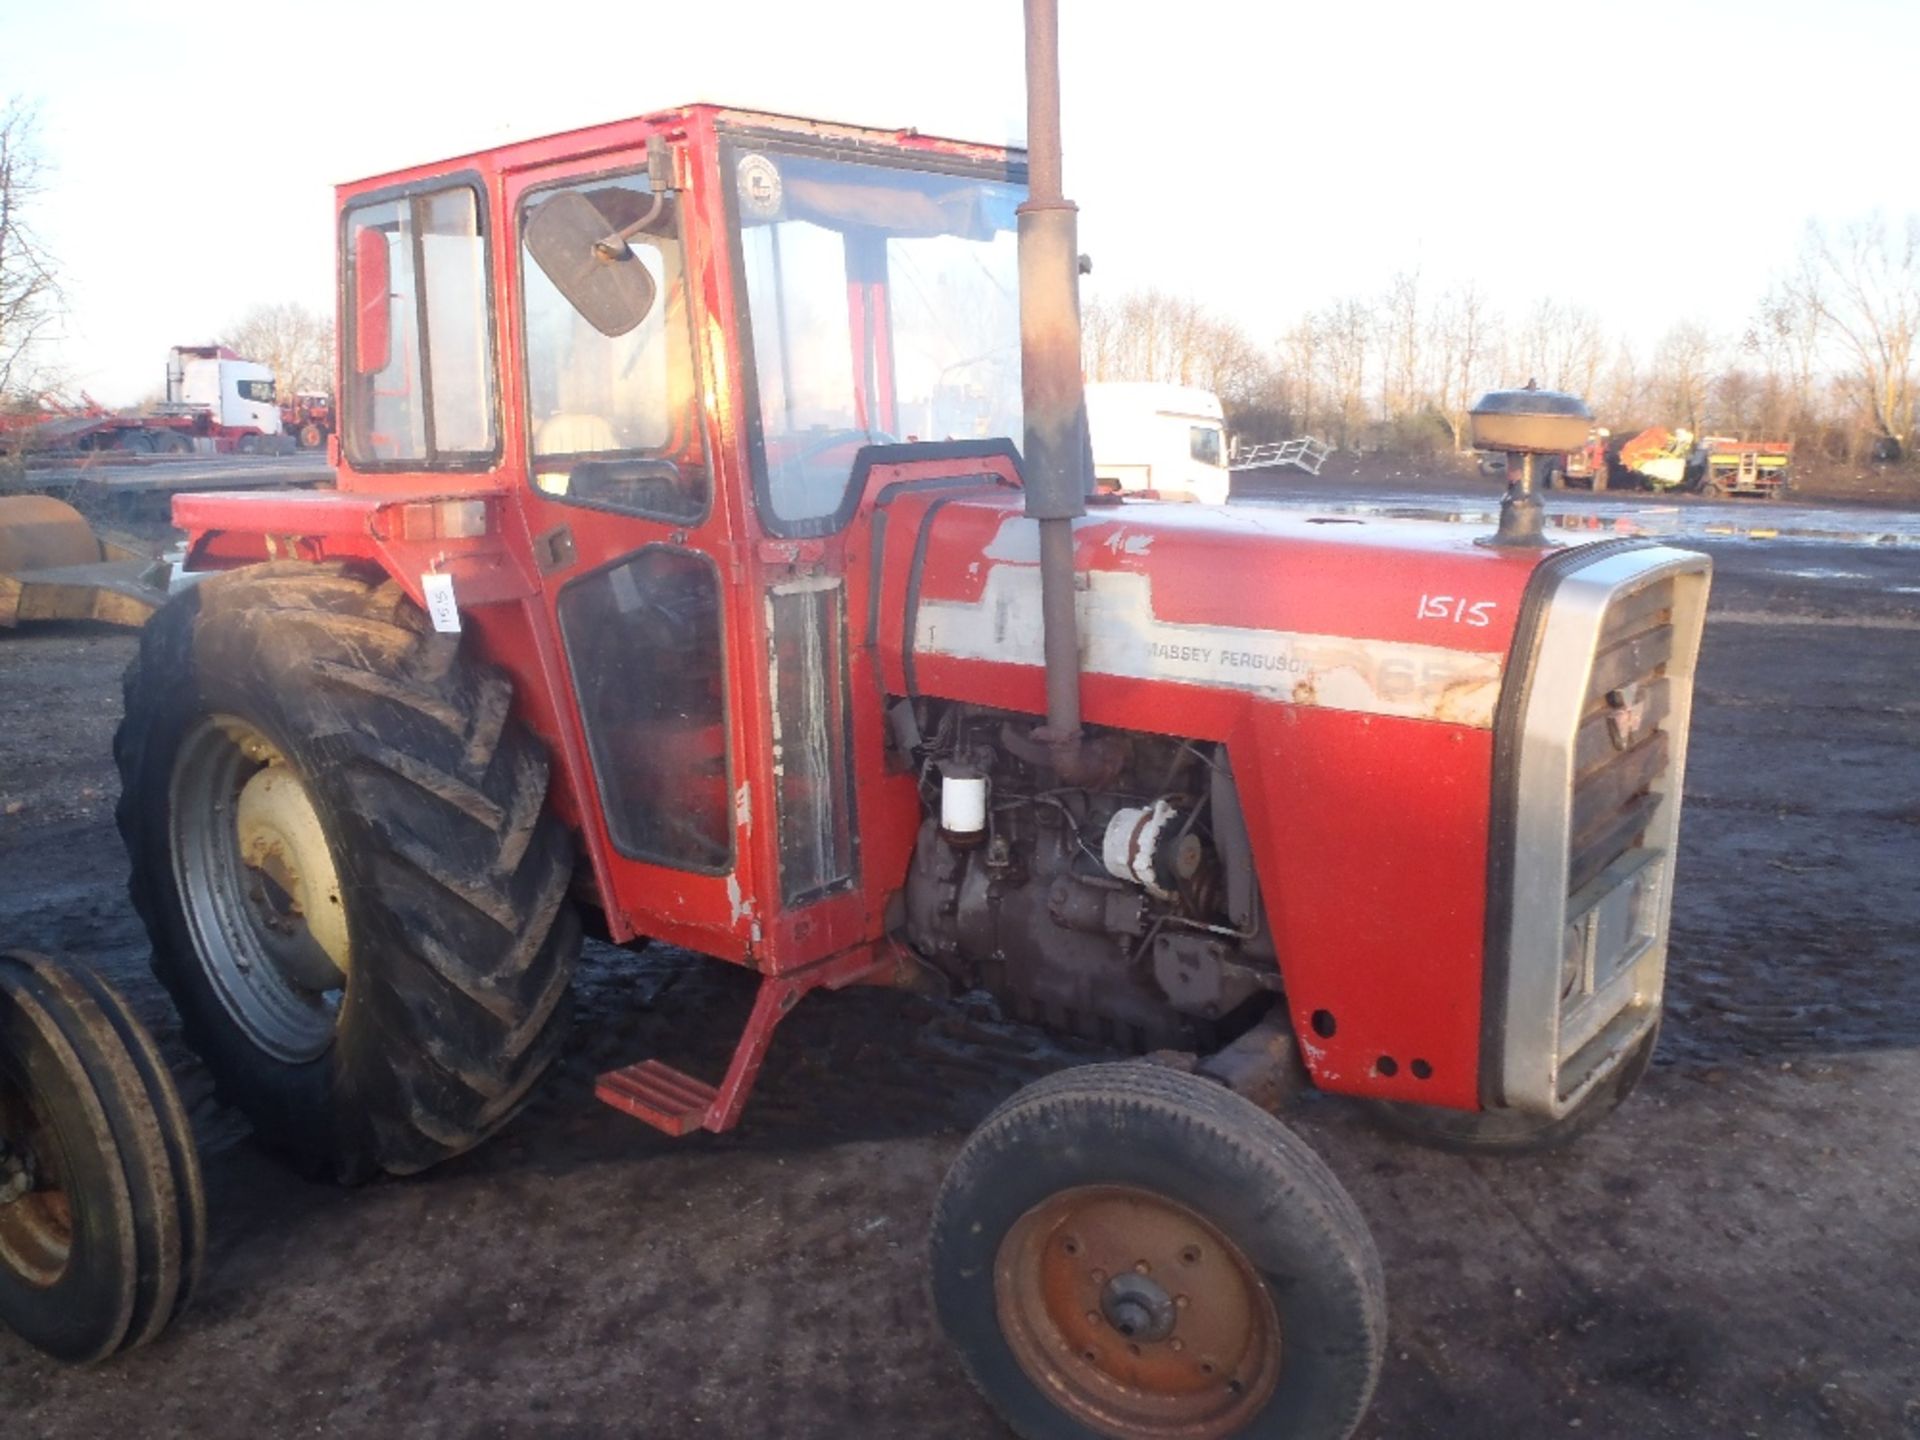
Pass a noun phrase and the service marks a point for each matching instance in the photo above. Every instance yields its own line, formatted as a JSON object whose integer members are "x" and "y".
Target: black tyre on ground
{"x": 1129, "y": 1250}
{"x": 1508, "y": 1132}
{"x": 341, "y": 848}
{"x": 102, "y": 1223}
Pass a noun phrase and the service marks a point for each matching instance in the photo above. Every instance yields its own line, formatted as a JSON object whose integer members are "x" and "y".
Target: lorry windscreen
{"x": 883, "y": 306}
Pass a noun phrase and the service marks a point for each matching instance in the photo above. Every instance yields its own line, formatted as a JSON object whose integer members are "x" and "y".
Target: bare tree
{"x": 30, "y": 299}
{"x": 1865, "y": 287}
{"x": 1682, "y": 370}
{"x": 294, "y": 342}
{"x": 1346, "y": 329}
{"x": 1466, "y": 336}
{"x": 1400, "y": 346}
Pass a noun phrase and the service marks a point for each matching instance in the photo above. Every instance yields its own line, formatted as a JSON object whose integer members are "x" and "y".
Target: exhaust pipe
{"x": 1058, "y": 460}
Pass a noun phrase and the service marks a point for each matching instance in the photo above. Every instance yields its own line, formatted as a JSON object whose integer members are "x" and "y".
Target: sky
{"x": 1656, "y": 161}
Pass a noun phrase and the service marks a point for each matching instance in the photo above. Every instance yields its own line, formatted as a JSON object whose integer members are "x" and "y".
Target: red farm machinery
{"x": 216, "y": 403}
{"x": 684, "y": 581}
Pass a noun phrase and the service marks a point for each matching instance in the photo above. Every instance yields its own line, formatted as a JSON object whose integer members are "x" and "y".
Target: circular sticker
{"x": 759, "y": 182}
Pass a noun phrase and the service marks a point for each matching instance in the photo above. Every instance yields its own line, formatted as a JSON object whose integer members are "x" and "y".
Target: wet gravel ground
{"x": 1736, "y": 1253}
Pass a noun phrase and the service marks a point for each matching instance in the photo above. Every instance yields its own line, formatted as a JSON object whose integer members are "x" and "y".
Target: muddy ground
{"x": 1736, "y": 1253}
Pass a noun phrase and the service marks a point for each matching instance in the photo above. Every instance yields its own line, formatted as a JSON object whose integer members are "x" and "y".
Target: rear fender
{"x": 457, "y": 534}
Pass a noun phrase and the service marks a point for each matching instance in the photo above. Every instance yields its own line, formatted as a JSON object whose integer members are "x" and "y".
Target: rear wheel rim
{"x": 36, "y": 1227}
{"x": 258, "y": 887}
{"x": 1137, "y": 1316}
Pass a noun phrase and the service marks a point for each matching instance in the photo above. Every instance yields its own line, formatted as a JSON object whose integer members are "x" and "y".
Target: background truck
{"x": 1745, "y": 467}
{"x": 215, "y": 402}
{"x": 1162, "y": 440}
{"x": 637, "y": 616}
{"x": 1585, "y": 466}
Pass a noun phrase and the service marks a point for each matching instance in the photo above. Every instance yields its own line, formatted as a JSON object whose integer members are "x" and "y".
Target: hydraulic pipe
{"x": 1057, "y": 459}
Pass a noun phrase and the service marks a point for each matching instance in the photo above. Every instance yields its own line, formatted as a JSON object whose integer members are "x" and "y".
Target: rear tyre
{"x": 1508, "y": 1132}
{"x": 1128, "y": 1250}
{"x": 311, "y": 436}
{"x": 93, "y": 1254}
{"x": 342, "y": 852}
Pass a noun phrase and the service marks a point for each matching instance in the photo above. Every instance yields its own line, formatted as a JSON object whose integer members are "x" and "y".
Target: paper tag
{"x": 442, "y": 608}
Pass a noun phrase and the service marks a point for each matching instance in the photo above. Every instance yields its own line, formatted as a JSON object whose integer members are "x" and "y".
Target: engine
{"x": 1125, "y": 911}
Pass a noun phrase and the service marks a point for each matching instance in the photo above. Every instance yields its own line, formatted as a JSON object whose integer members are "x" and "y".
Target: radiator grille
{"x": 1623, "y": 749}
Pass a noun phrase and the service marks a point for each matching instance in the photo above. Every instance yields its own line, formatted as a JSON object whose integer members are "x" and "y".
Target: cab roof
{"x": 630, "y": 134}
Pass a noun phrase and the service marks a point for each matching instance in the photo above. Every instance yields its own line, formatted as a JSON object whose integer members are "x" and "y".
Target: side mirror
{"x": 372, "y": 282}
{"x": 607, "y": 283}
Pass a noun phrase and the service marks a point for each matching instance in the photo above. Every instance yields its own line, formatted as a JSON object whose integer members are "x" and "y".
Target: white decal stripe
{"x": 1120, "y": 635}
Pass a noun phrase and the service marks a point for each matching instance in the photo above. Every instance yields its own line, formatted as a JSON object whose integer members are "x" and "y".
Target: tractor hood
{"x": 1187, "y": 612}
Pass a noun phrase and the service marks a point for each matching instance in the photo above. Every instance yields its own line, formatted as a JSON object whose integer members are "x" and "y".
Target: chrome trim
{"x": 1550, "y": 1061}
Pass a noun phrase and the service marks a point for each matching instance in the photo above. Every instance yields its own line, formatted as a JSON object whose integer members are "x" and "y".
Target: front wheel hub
{"x": 1137, "y": 1315}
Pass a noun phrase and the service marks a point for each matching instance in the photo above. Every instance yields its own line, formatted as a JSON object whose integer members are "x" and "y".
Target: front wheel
{"x": 1127, "y": 1250}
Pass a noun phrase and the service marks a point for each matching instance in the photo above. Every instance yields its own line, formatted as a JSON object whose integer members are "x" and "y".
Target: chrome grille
{"x": 1622, "y": 750}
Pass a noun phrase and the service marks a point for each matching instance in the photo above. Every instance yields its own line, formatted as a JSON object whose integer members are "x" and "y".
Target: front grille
{"x": 1622, "y": 750}
{"x": 1594, "y": 750}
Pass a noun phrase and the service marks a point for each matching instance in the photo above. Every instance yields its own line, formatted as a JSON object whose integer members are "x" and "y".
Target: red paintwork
{"x": 1370, "y": 833}
{"x": 677, "y": 1103}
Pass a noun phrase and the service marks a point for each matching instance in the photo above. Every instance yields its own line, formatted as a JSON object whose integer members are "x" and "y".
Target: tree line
{"x": 1826, "y": 358}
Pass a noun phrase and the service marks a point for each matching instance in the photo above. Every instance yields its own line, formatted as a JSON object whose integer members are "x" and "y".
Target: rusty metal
{"x": 1136, "y": 1316}
{"x": 1263, "y": 1065}
{"x": 1057, "y": 460}
{"x": 678, "y": 1103}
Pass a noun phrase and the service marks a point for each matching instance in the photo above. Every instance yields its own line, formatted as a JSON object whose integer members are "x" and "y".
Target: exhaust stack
{"x": 1058, "y": 459}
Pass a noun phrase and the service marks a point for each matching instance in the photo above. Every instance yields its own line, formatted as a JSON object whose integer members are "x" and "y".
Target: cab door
{"x": 629, "y": 528}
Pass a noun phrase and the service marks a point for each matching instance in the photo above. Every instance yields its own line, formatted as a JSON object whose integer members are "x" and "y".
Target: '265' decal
{"x": 1458, "y": 609}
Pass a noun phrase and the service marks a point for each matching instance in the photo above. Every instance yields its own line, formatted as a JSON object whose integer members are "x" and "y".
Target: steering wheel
{"x": 834, "y": 439}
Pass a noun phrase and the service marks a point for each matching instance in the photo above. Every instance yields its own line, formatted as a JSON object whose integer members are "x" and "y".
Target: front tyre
{"x": 1125, "y": 1250}
{"x": 342, "y": 853}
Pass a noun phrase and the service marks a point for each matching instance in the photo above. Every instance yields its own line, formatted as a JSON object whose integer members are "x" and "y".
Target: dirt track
{"x": 1736, "y": 1253}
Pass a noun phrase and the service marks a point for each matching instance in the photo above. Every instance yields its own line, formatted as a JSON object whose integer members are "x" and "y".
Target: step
{"x": 666, "y": 1098}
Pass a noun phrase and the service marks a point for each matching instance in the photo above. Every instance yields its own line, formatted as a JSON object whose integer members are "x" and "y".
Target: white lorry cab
{"x": 1167, "y": 439}
{"x": 211, "y": 379}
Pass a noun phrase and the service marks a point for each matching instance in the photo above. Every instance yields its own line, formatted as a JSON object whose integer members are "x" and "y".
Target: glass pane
{"x": 628, "y": 402}
{"x": 884, "y": 307}
{"x": 386, "y": 416}
{"x": 807, "y": 621}
{"x": 457, "y": 332}
{"x": 1203, "y": 444}
{"x": 445, "y": 375}
{"x": 643, "y": 638}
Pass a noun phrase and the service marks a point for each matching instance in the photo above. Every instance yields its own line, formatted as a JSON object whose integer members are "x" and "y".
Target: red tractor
{"x": 308, "y": 417}
{"x": 683, "y": 581}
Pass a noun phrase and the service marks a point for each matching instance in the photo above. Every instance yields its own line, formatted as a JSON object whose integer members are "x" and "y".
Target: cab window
{"x": 420, "y": 390}
{"x": 614, "y": 420}
{"x": 1203, "y": 444}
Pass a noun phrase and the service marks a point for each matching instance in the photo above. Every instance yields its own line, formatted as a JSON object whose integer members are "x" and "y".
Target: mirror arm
{"x": 614, "y": 247}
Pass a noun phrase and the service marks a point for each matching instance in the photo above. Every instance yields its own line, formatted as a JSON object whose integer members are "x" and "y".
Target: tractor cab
{"x": 666, "y": 346}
